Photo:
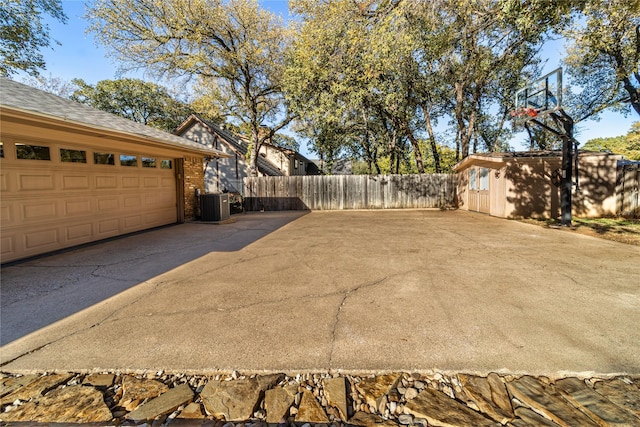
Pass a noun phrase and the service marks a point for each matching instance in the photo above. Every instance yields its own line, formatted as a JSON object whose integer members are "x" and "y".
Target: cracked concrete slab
{"x": 345, "y": 291}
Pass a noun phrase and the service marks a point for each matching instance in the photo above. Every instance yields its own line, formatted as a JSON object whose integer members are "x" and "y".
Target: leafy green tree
{"x": 233, "y": 45}
{"x": 350, "y": 73}
{"x": 325, "y": 80}
{"x": 137, "y": 100}
{"x": 54, "y": 85}
{"x": 23, "y": 34}
{"x": 487, "y": 49}
{"x": 386, "y": 72}
{"x": 285, "y": 141}
{"x": 204, "y": 100}
{"x": 603, "y": 57}
{"x": 328, "y": 140}
{"x": 447, "y": 157}
{"x": 628, "y": 145}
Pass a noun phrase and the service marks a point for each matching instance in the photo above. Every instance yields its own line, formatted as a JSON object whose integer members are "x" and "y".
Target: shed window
{"x": 472, "y": 178}
{"x": 104, "y": 159}
{"x": 127, "y": 160}
{"x": 148, "y": 162}
{"x": 73, "y": 156}
{"x": 2, "y": 149}
{"x": 484, "y": 179}
{"x": 32, "y": 152}
{"x": 165, "y": 164}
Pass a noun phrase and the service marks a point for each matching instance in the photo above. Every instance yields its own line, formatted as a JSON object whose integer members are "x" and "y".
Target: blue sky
{"x": 78, "y": 56}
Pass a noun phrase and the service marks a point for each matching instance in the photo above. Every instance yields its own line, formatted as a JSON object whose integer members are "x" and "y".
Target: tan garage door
{"x": 56, "y": 196}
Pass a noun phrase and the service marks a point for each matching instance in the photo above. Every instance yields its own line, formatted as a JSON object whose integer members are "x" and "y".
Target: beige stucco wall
{"x": 463, "y": 189}
{"x": 597, "y": 181}
{"x": 528, "y": 191}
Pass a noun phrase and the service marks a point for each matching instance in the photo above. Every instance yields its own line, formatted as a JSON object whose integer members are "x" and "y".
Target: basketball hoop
{"x": 525, "y": 111}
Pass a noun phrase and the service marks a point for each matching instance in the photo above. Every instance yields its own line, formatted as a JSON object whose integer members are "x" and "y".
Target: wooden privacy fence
{"x": 628, "y": 189}
{"x": 338, "y": 192}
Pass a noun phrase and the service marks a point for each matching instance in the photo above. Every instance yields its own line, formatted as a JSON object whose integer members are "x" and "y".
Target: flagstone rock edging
{"x": 320, "y": 399}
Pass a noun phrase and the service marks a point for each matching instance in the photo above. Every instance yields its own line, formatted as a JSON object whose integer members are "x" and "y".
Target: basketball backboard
{"x": 539, "y": 97}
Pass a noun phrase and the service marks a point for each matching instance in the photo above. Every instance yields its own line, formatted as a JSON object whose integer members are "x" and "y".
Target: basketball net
{"x": 525, "y": 111}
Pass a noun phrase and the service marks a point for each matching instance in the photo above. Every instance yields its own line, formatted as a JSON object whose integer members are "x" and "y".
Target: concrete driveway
{"x": 349, "y": 291}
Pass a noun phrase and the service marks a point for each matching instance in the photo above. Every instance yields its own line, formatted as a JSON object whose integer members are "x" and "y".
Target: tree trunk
{"x": 416, "y": 151}
{"x": 253, "y": 167}
{"x": 254, "y": 149}
{"x": 634, "y": 94}
{"x": 392, "y": 151}
{"x": 463, "y": 148}
{"x": 432, "y": 141}
{"x": 369, "y": 156}
{"x": 467, "y": 133}
{"x": 375, "y": 161}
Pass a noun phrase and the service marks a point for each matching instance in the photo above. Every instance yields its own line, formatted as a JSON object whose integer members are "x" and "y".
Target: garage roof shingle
{"x": 26, "y": 98}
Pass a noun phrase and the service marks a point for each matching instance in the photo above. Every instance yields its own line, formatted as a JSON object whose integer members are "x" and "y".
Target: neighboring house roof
{"x": 236, "y": 143}
{"x": 26, "y": 99}
{"x": 340, "y": 166}
{"x": 499, "y": 158}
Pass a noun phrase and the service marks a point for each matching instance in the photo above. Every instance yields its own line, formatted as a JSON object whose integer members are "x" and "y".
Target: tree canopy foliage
{"x": 51, "y": 84}
{"x": 378, "y": 80}
{"x": 603, "y": 56}
{"x": 137, "y": 100}
{"x": 628, "y": 145}
{"x": 381, "y": 74}
{"x": 235, "y": 46}
{"x": 23, "y": 34}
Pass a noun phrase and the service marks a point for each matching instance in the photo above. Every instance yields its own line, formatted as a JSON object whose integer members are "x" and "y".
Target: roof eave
{"x": 493, "y": 162}
{"x": 101, "y": 130}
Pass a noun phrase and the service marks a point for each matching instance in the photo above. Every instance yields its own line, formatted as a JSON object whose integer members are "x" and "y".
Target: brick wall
{"x": 193, "y": 179}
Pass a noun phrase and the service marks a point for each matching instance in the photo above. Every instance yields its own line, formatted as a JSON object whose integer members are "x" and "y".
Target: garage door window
{"x": 148, "y": 162}
{"x": 103, "y": 159}
{"x": 32, "y": 152}
{"x": 165, "y": 164}
{"x": 73, "y": 156}
{"x": 126, "y": 160}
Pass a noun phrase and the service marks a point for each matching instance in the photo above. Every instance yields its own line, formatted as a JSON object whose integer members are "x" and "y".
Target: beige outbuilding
{"x": 71, "y": 174}
{"x": 525, "y": 184}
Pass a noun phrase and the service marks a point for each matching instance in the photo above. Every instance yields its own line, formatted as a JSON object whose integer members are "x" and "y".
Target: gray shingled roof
{"x": 26, "y": 98}
{"x": 237, "y": 144}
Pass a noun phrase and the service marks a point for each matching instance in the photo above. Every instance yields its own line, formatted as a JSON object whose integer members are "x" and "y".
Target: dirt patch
{"x": 621, "y": 230}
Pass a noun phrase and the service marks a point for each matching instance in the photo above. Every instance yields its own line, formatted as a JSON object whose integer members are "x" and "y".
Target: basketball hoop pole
{"x": 543, "y": 97}
{"x": 565, "y": 133}
{"x": 566, "y": 123}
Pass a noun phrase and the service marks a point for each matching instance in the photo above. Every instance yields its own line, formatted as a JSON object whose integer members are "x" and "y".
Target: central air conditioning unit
{"x": 215, "y": 207}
